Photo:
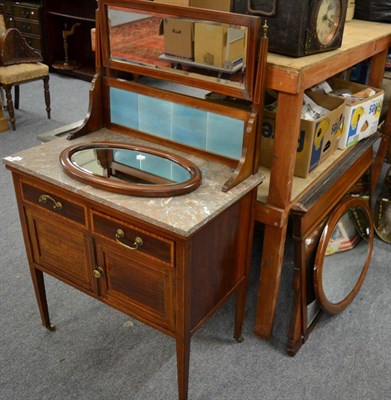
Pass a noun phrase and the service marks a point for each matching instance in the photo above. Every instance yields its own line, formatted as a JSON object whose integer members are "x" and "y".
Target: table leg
{"x": 183, "y": 364}
{"x": 281, "y": 179}
{"x": 376, "y": 70}
{"x": 40, "y": 294}
{"x": 269, "y": 281}
{"x": 383, "y": 152}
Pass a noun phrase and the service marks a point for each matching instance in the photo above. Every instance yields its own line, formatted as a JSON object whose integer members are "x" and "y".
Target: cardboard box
{"x": 218, "y": 45}
{"x": 179, "y": 38}
{"x": 317, "y": 139}
{"x": 220, "y": 5}
{"x": 350, "y": 10}
{"x": 183, "y": 3}
{"x": 362, "y": 118}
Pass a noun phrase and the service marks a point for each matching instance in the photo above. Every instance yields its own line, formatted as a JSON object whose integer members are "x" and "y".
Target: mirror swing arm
{"x": 254, "y": 124}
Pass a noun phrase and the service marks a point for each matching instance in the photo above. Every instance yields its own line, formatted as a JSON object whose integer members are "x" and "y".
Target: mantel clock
{"x": 302, "y": 27}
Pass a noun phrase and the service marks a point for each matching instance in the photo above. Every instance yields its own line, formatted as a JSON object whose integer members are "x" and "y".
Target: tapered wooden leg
{"x": 269, "y": 281}
{"x": 241, "y": 295}
{"x": 10, "y": 105}
{"x": 296, "y": 328}
{"x": 17, "y": 97}
{"x": 47, "y": 94}
{"x": 183, "y": 364}
{"x": 286, "y": 137}
{"x": 40, "y": 294}
{"x": 240, "y": 307}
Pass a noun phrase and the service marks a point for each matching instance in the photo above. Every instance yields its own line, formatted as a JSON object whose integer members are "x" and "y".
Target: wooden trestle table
{"x": 290, "y": 77}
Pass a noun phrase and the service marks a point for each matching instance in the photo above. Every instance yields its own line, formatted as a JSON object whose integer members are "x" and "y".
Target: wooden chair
{"x": 19, "y": 63}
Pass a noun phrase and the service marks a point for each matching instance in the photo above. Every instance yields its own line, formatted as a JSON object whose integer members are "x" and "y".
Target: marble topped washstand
{"x": 169, "y": 262}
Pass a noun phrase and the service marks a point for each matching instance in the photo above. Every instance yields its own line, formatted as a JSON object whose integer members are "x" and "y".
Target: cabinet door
{"x": 138, "y": 281}
{"x": 58, "y": 235}
{"x": 61, "y": 249}
{"x": 145, "y": 291}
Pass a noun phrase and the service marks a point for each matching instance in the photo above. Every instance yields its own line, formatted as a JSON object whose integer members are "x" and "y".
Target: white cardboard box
{"x": 362, "y": 118}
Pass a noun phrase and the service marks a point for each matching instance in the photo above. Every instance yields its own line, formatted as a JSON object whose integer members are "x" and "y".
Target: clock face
{"x": 327, "y": 20}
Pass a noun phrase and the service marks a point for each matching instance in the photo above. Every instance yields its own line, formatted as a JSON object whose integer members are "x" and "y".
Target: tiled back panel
{"x": 197, "y": 128}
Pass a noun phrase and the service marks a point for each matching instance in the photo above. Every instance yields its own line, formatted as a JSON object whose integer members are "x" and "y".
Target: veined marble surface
{"x": 181, "y": 214}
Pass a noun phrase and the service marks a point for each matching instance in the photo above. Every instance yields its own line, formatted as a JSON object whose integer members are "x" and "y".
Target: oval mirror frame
{"x": 133, "y": 189}
{"x": 325, "y": 303}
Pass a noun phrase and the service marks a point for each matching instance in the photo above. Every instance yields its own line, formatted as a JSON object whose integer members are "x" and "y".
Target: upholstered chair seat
{"x": 13, "y": 74}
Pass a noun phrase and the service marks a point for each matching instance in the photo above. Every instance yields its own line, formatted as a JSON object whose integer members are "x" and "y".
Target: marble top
{"x": 181, "y": 214}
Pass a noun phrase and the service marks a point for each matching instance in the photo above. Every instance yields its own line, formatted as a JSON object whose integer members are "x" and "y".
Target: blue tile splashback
{"x": 189, "y": 126}
{"x": 197, "y": 128}
{"x": 225, "y": 135}
{"x": 154, "y": 116}
{"x": 124, "y": 108}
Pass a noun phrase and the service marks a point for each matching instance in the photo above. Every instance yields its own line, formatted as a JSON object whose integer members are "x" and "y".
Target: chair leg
{"x": 16, "y": 97}
{"x": 10, "y": 105}
{"x": 47, "y": 94}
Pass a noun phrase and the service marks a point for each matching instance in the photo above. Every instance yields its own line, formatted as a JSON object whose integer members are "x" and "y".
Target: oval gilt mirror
{"x": 128, "y": 169}
{"x": 343, "y": 255}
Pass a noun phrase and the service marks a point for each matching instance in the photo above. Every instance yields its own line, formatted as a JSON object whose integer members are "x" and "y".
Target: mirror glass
{"x": 187, "y": 48}
{"x": 129, "y": 166}
{"x": 346, "y": 255}
{"x": 131, "y": 169}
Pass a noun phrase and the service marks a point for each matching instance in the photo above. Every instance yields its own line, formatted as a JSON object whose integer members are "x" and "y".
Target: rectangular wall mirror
{"x": 208, "y": 49}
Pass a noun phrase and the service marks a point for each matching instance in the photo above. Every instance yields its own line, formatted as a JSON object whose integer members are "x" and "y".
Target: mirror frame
{"x": 132, "y": 189}
{"x": 252, "y": 23}
{"x": 326, "y": 305}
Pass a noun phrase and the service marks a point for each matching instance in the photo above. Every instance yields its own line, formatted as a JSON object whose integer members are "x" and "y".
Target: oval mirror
{"x": 343, "y": 255}
{"x": 128, "y": 169}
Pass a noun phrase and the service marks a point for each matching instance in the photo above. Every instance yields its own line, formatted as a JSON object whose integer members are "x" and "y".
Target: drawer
{"x": 33, "y": 42}
{"x": 124, "y": 235}
{"x": 30, "y": 13}
{"x": 28, "y": 27}
{"x": 51, "y": 201}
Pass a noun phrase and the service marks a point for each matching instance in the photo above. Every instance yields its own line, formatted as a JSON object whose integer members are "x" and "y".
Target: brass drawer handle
{"x": 138, "y": 242}
{"x": 43, "y": 198}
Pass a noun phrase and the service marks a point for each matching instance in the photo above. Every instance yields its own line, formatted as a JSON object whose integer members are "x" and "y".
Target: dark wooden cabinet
{"x": 61, "y": 16}
{"x": 27, "y": 18}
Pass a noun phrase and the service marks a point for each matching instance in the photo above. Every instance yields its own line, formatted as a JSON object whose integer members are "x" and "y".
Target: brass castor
{"x": 239, "y": 339}
{"x": 50, "y": 327}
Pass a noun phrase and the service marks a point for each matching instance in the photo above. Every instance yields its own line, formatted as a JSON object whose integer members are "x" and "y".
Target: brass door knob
{"x": 98, "y": 272}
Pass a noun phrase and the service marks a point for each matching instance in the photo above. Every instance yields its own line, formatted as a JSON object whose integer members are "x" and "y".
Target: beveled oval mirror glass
{"x": 342, "y": 261}
{"x": 128, "y": 169}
